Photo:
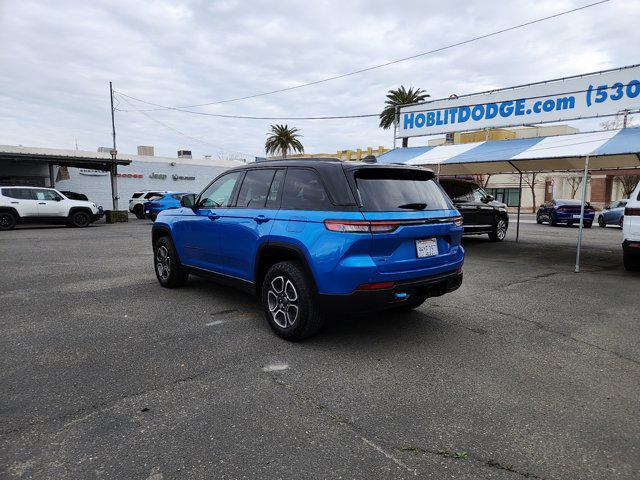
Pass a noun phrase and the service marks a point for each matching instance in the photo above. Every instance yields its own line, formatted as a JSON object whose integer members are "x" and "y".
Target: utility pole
{"x": 114, "y": 169}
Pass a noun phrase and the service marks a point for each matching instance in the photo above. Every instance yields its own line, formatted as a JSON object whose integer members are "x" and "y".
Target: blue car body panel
{"x": 166, "y": 202}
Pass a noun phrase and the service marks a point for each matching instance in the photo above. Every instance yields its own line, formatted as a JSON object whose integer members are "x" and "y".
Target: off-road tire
{"x": 79, "y": 219}
{"x": 138, "y": 212}
{"x": 7, "y": 221}
{"x": 280, "y": 302}
{"x": 169, "y": 271}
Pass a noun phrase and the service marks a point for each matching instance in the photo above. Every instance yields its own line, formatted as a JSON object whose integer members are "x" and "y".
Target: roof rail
{"x": 299, "y": 159}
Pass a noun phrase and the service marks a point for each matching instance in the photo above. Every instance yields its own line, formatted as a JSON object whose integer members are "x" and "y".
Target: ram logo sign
{"x": 586, "y": 96}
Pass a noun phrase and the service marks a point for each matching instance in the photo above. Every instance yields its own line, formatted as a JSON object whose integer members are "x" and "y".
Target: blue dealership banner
{"x": 585, "y": 96}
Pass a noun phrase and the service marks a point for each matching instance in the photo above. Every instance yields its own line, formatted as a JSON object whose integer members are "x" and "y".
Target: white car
{"x": 43, "y": 205}
{"x": 631, "y": 232}
{"x": 138, "y": 198}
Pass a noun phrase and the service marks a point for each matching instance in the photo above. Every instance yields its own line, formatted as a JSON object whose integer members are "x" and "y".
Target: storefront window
{"x": 505, "y": 195}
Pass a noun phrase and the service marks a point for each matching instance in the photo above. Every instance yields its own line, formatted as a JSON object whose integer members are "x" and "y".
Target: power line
{"x": 185, "y": 134}
{"x": 374, "y": 67}
{"x": 369, "y": 115}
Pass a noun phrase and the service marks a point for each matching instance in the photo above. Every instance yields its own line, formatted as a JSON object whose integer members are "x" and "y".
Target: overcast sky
{"x": 57, "y": 58}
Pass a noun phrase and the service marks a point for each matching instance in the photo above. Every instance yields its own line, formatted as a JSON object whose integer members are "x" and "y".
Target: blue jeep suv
{"x": 316, "y": 236}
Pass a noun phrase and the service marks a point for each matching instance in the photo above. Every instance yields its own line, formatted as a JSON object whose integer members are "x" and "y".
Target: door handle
{"x": 261, "y": 219}
{"x": 16, "y": 203}
{"x": 42, "y": 203}
{"x": 213, "y": 216}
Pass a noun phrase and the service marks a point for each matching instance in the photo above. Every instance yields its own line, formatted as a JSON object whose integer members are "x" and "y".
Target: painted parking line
{"x": 275, "y": 367}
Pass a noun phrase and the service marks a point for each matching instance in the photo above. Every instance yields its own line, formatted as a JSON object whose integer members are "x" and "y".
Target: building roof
{"x": 98, "y": 160}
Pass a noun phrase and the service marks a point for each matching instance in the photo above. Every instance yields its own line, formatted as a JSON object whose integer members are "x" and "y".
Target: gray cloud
{"x": 57, "y": 58}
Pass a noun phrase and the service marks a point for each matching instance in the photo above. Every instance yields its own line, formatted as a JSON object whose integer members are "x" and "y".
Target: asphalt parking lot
{"x": 527, "y": 371}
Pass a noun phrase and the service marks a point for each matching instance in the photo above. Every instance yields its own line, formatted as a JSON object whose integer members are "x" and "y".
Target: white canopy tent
{"x": 601, "y": 150}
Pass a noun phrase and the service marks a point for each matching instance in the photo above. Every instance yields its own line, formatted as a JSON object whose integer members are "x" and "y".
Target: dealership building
{"x": 90, "y": 172}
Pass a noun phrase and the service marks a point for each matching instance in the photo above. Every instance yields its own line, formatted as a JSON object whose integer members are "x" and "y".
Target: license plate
{"x": 427, "y": 247}
{"x": 576, "y": 216}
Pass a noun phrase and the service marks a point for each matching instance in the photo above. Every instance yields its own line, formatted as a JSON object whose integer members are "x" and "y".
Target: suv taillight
{"x": 631, "y": 212}
{"x": 360, "y": 226}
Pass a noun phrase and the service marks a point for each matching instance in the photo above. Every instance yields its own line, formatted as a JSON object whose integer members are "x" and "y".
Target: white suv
{"x": 138, "y": 198}
{"x": 43, "y": 205}
{"x": 631, "y": 232}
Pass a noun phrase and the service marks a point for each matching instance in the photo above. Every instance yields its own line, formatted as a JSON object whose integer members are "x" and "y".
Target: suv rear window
{"x": 136, "y": 195}
{"x": 393, "y": 190}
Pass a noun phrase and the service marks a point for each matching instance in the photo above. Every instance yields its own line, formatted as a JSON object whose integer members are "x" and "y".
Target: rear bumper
{"x": 568, "y": 217}
{"x": 361, "y": 301}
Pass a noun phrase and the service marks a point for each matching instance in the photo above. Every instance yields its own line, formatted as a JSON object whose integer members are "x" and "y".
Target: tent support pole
{"x": 584, "y": 199}
{"x": 519, "y": 202}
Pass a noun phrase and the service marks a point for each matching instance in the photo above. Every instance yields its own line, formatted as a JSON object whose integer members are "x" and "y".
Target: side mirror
{"x": 489, "y": 198}
{"x": 188, "y": 201}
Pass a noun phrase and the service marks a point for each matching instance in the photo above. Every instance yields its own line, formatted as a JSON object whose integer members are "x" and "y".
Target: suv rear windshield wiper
{"x": 414, "y": 206}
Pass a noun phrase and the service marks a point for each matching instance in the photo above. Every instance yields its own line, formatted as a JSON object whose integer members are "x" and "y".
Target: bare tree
{"x": 574, "y": 185}
{"x": 628, "y": 183}
{"x": 617, "y": 122}
{"x": 532, "y": 180}
{"x": 482, "y": 180}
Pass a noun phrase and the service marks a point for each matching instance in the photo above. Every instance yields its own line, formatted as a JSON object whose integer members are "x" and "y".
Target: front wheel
{"x": 138, "y": 212}
{"x": 7, "y": 221}
{"x": 587, "y": 224}
{"x": 169, "y": 271}
{"x": 80, "y": 219}
{"x": 621, "y": 222}
{"x": 289, "y": 303}
{"x": 601, "y": 221}
{"x": 499, "y": 231}
{"x": 552, "y": 220}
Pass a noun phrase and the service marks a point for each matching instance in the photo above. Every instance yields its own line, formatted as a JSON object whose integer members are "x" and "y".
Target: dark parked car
{"x": 565, "y": 211}
{"x": 74, "y": 195}
{"x": 481, "y": 213}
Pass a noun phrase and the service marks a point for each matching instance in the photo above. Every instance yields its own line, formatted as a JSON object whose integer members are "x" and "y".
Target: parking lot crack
{"x": 465, "y": 456}
{"x": 84, "y": 413}
{"x": 547, "y": 329}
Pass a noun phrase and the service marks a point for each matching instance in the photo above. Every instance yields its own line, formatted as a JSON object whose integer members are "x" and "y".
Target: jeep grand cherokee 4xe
{"x": 316, "y": 236}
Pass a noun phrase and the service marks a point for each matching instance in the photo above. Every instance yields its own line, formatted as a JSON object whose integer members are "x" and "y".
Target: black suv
{"x": 481, "y": 213}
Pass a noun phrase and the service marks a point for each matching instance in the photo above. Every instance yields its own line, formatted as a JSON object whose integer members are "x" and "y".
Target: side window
{"x": 47, "y": 195}
{"x": 17, "y": 193}
{"x": 255, "y": 187}
{"x": 478, "y": 194}
{"x": 218, "y": 194}
{"x": 276, "y": 189}
{"x": 303, "y": 190}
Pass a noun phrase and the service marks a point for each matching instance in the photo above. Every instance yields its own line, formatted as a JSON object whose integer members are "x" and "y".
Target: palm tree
{"x": 398, "y": 97}
{"x": 283, "y": 139}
